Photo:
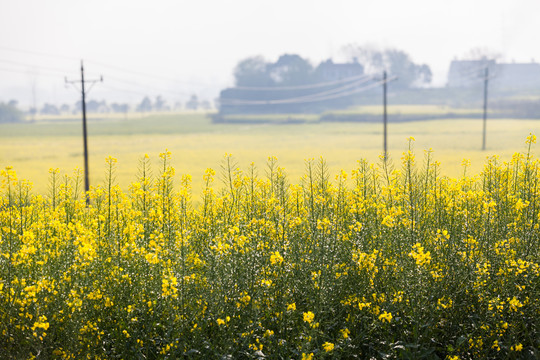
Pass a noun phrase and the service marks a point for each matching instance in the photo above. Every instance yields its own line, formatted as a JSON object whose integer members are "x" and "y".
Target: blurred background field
{"x": 196, "y": 143}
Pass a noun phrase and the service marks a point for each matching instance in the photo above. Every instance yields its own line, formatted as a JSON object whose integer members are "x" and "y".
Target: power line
{"x": 147, "y": 87}
{"x": 472, "y": 71}
{"x": 17, "y": 63}
{"x": 49, "y": 71}
{"x": 129, "y": 71}
{"x": 115, "y": 67}
{"x": 309, "y": 98}
{"x": 114, "y": 88}
{"x": 471, "y": 75}
{"x": 299, "y": 87}
{"x": 332, "y": 91}
{"x": 27, "y": 72}
{"x": 37, "y": 53}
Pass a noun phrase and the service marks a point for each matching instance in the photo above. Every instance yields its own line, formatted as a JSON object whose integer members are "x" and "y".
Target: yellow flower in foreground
{"x": 307, "y": 356}
{"x": 345, "y": 333}
{"x": 328, "y": 346}
{"x": 385, "y": 316}
{"x": 291, "y": 307}
{"x": 41, "y": 324}
{"x": 514, "y": 304}
{"x": 276, "y": 258}
{"x": 308, "y": 317}
{"x": 517, "y": 347}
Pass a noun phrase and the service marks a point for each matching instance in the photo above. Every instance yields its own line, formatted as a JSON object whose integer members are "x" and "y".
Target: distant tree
{"x": 409, "y": 74}
{"x": 369, "y": 56}
{"x": 423, "y": 75}
{"x": 120, "y": 108}
{"x": 160, "y": 104}
{"x": 10, "y": 113}
{"x": 64, "y": 108}
{"x": 92, "y": 106}
{"x": 13, "y": 103}
{"x": 178, "y": 105}
{"x": 396, "y": 62}
{"x": 205, "y": 104}
{"x": 49, "y": 109}
{"x": 96, "y": 106}
{"x": 290, "y": 70}
{"x": 252, "y": 72}
{"x": 145, "y": 105}
{"x": 193, "y": 103}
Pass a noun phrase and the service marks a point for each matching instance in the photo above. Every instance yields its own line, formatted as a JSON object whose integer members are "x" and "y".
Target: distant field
{"x": 196, "y": 143}
{"x": 409, "y": 110}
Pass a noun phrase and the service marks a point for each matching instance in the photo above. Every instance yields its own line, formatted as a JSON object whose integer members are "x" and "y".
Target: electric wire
{"x": 38, "y": 53}
{"x": 39, "y": 70}
{"x": 310, "y": 99}
{"x": 328, "y": 92}
{"x": 28, "y": 72}
{"x": 299, "y": 87}
{"x": 17, "y": 63}
{"x": 128, "y": 82}
{"x": 114, "y": 67}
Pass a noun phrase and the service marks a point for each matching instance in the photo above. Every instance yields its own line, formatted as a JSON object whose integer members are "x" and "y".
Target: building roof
{"x": 466, "y": 73}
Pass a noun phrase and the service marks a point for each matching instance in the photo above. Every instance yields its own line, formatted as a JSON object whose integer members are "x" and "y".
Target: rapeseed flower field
{"x": 391, "y": 260}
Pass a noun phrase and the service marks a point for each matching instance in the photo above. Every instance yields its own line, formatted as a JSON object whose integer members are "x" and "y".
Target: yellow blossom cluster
{"x": 382, "y": 260}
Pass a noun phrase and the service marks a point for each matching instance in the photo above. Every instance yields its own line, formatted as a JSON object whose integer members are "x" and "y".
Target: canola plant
{"x": 387, "y": 261}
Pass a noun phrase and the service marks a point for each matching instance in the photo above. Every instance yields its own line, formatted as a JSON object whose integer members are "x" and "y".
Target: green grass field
{"x": 196, "y": 143}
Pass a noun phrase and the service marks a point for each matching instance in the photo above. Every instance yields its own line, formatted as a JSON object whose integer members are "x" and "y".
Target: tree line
{"x": 293, "y": 70}
{"x": 11, "y": 112}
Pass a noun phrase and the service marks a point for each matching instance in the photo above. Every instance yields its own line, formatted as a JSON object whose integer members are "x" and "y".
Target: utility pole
{"x": 385, "y": 117}
{"x": 85, "y": 136}
{"x": 486, "y": 79}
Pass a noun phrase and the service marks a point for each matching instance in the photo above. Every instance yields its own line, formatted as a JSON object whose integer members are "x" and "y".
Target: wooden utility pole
{"x": 85, "y": 135}
{"x": 486, "y": 80}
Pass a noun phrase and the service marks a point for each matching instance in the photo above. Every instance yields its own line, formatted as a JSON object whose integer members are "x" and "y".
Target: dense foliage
{"x": 9, "y": 113}
{"x": 380, "y": 263}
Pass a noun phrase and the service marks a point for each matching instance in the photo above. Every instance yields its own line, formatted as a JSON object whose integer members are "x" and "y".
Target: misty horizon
{"x": 178, "y": 49}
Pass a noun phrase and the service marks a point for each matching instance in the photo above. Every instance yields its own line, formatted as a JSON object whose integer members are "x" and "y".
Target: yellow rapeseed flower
{"x": 328, "y": 346}
{"x": 517, "y": 347}
{"x": 309, "y": 317}
{"x": 385, "y": 316}
{"x": 276, "y": 258}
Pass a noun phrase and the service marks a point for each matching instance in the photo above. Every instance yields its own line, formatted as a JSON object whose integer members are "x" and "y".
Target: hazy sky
{"x": 175, "y": 48}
